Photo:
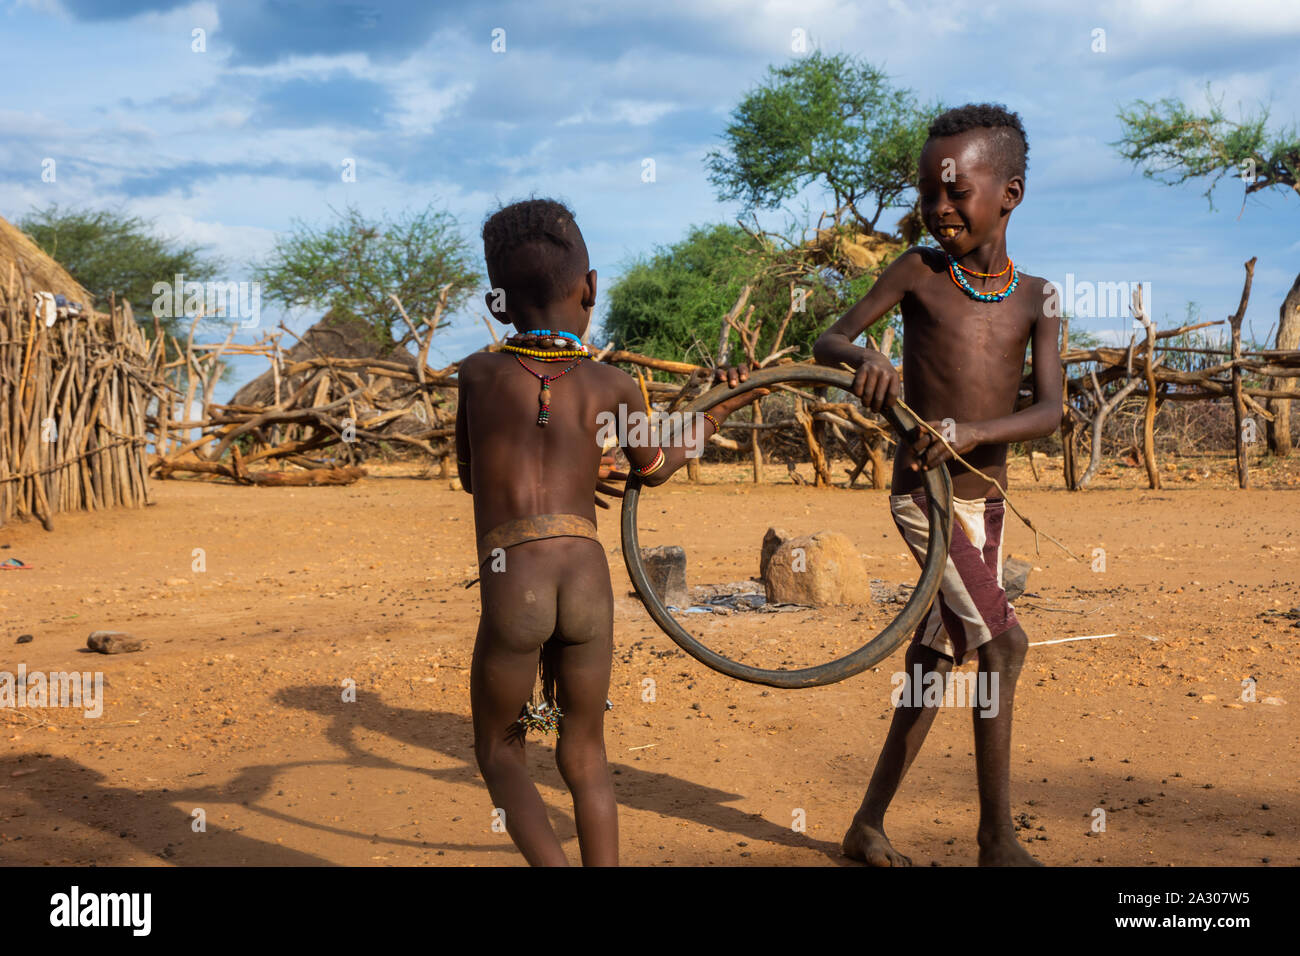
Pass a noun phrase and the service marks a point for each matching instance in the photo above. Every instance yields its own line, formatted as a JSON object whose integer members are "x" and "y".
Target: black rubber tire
{"x": 938, "y": 486}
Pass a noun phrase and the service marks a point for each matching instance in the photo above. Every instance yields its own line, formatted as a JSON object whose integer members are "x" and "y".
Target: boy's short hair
{"x": 1007, "y": 138}
{"x": 534, "y": 251}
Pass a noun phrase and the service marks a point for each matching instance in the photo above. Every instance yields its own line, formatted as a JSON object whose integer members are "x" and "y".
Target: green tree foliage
{"x": 1174, "y": 143}
{"x": 671, "y": 304}
{"x": 110, "y": 252}
{"x": 832, "y": 120}
{"x": 350, "y": 267}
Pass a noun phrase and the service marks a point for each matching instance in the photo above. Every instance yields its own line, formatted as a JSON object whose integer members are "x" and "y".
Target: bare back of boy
{"x": 554, "y": 589}
{"x": 545, "y": 585}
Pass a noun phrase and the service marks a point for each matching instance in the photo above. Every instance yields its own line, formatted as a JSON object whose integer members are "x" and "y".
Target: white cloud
{"x": 1243, "y": 17}
{"x": 632, "y": 112}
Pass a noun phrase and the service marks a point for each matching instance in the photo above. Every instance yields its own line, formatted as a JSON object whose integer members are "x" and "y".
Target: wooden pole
{"x": 820, "y": 470}
{"x": 1067, "y": 419}
{"x": 1238, "y": 404}
{"x": 1149, "y": 416}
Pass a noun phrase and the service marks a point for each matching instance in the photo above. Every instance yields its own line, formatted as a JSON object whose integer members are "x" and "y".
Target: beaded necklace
{"x": 568, "y": 335}
{"x": 543, "y": 345}
{"x": 985, "y": 275}
{"x": 965, "y": 286}
{"x": 546, "y": 345}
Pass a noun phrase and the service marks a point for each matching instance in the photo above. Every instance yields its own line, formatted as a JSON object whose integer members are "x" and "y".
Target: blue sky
{"x": 228, "y": 147}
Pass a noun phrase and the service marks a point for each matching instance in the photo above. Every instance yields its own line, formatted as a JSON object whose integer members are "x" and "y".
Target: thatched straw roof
{"x": 838, "y": 247}
{"x": 19, "y": 255}
{"x": 334, "y": 338}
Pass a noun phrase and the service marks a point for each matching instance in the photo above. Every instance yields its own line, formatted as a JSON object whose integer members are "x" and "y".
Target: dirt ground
{"x": 236, "y": 706}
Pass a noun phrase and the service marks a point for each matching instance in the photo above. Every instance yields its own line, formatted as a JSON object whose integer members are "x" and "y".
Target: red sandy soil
{"x": 236, "y": 705}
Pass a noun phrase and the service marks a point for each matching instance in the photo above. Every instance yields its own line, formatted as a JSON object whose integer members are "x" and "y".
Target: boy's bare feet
{"x": 1005, "y": 850}
{"x": 868, "y": 844}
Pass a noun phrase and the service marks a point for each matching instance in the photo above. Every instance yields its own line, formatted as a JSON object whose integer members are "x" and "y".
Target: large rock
{"x": 818, "y": 570}
{"x": 1015, "y": 576}
{"x": 666, "y": 568}
{"x": 114, "y": 642}
{"x": 774, "y": 538}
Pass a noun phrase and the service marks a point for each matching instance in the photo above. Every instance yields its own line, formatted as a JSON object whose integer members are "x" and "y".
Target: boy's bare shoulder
{"x": 914, "y": 268}
{"x": 1037, "y": 283}
{"x": 919, "y": 261}
{"x": 1039, "y": 289}
{"x": 471, "y": 365}
{"x": 613, "y": 378}
{"x": 928, "y": 256}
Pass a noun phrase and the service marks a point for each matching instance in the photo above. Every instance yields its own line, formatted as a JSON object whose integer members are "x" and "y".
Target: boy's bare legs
{"x": 557, "y": 589}
{"x": 580, "y": 753}
{"x": 585, "y": 631}
{"x": 866, "y": 840}
{"x": 501, "y": 681}
{"x": 585, "y": 635}
{"x": 998, "y": 845}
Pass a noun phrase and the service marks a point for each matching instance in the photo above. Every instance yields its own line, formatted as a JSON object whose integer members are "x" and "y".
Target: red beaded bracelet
{"x": 652, "y": 467}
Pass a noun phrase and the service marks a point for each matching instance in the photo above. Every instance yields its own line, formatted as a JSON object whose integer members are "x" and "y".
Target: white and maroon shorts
{"x": 971, "y": 608}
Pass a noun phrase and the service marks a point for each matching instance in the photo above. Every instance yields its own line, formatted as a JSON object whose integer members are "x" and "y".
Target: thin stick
{"x": 1066, "y": 640}
{"x": 1006, "y": 497}
{"x": 987, "y": 477}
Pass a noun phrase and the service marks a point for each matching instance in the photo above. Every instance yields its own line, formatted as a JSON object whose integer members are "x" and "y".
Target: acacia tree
{"x": 671, "y": 304}
{"x": 832, "y": 120}
{"x": 354, "y": 265}
{"x": 1174, "y": 143}
{"x": 110, "y": 252}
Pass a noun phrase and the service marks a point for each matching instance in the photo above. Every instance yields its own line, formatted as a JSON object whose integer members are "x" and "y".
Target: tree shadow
{"x": 149, "y": 821}
{"x": 145, "y": 819}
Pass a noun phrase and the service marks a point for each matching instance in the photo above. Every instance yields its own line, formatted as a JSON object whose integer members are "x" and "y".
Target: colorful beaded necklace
{"x": 986, "y": 275}
{"x": 568, "y": 335}
{"x": 965, "y": 286}
{"x": 543, "y": 345}
{"x": 546, "y": 345}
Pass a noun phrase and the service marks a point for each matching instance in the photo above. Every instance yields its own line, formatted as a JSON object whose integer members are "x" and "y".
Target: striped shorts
{"x": 971, "y": 608}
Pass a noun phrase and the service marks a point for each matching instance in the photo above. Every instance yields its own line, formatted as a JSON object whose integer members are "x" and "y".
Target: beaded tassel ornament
{"x": 542, "y": 713}
{"x": 544, "y": 396}
{"x": 542, "y": 717}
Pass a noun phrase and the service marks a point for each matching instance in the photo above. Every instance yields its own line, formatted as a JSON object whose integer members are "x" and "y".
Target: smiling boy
{"x": 968, "y": 316}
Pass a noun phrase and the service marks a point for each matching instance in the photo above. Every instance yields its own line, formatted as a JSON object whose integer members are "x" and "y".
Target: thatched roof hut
{"x": 19, "y": 256}
{"x": 338, "y": 337}
{"x": 331, "y": 337}
{"x": 74, "y": 386}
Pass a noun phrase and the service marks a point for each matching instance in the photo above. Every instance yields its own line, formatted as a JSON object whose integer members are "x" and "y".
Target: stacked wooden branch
{"x": 336, "y": 407}
{"x": 73, "y": 391}
{"x": 324, "y": 414}
{"x": 327, "y": 411}
{"x": 1113, "y": 375}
